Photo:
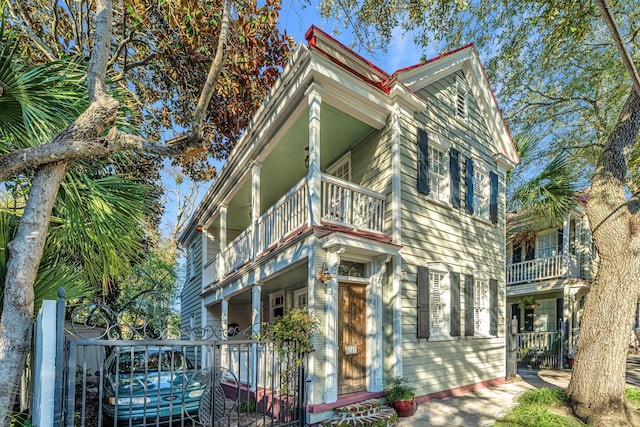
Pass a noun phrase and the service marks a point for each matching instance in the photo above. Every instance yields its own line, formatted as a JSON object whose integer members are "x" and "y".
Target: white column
{"x": 255, "y": 207}
{"x": 396, "y": 174}
{"x": 313, "y": 176}
{"x": 256, "y": 291}
{"x": 224, "y": 326}
{"x": 374, "y": 326}
{"x": 397, "y": 316}
{"x": 565, "y": 245}
{"x": 44, "y": 364}
{"x": 331, "y": 332}
{"x": 204, "y": 240}
{"x": 223, "y": 241}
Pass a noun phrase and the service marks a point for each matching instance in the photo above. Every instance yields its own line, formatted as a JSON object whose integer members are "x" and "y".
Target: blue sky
{"x": 296, "y": 17}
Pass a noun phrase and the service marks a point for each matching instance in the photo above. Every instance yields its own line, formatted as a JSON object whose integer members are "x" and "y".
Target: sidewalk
{"x": 483, "y": 407}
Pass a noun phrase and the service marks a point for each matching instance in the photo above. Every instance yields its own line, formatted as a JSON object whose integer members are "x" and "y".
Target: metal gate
{"x": 132, "y": 372}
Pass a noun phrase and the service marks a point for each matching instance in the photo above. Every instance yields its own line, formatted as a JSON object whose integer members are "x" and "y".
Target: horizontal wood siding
{"x": 435, "y": 233}
{"x": 190, "y": 302}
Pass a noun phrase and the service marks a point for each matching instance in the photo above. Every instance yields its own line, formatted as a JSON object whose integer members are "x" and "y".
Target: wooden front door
{"x": 352, "y": 350}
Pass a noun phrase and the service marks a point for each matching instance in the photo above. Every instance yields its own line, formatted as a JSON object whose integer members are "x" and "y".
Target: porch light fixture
{"x": 306, "y": 159}
{"x": 324, "y": 276}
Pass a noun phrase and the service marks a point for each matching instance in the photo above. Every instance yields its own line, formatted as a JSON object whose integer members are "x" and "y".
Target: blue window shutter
{"x": 423, "y": 162}
{"x": 468, "y": 180}
{"x": 455, "y": 304}
{"x": 493, "y": 301}
{"x": 423, "y": 302}
{"x": 493, "y": 198}
{"x": 454, "y": 170}
{"x": 469, "y": 323}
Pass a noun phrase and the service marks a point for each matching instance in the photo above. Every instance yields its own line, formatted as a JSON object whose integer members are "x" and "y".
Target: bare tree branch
{"x": 214, "y": 72}
{"x": 28, "y": 29}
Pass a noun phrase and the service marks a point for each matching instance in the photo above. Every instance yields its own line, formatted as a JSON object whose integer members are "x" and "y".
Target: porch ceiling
{"x": 295, "y": 278}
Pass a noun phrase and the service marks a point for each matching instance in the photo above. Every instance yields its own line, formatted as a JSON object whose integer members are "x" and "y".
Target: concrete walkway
{"x": 483, "y": 407}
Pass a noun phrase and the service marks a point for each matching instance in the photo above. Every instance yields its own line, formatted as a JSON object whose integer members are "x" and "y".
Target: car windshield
{"x": 151, "y": 360}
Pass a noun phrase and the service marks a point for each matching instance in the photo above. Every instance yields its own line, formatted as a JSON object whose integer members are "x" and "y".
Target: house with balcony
{"x": 376, "y": 202}
{"x": 549, "y": 271}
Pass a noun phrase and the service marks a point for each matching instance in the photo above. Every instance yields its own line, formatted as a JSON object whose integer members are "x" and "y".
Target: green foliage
{"x": 248, "y": 406}
{"x": 536, "y": 408}
{"x": 20, "y": 420}
{"x": 53, "y": 272}
{"x": 633, "y": 396}
{"x": 296, "y": 327}
{"x": 399, "y": 389}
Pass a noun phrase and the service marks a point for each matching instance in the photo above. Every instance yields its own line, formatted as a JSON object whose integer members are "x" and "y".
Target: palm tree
{"x": 96, "y": 233}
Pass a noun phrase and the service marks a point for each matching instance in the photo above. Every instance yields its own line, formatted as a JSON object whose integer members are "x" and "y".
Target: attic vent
{"x": 461, "y": 99}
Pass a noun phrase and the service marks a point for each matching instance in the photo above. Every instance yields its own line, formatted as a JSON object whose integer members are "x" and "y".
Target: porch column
{"x": 374, "y": 326}
{"x": 396, "y": 174}
{"x": 224, "y": 325}
{"x": 256, "y": 292}
{"x": 565, "y": 245}
{"x": 223, "y": 241}
{"x": 313, "y": 176}
{"x": 396, "y": 300}
{"x": 331, "y": 346}
{"x": 255, "y": 208}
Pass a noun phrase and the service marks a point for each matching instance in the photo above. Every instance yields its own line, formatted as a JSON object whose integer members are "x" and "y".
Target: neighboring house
{"x": 376, "y": 202}
{"x": 549, "y": 271}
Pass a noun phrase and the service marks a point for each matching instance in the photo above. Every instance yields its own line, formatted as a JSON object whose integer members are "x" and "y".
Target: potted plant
{"x": 401, "y": 395}
{"x": 527, "y": 302}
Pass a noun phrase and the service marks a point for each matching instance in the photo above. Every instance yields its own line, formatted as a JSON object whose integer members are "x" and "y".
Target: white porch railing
{"x": 538, "y": 269}
{"x": 348, "y": 204}
{"x": 342, "y": 203}
{"x": 286, "y": 215}
{"x": 238, "y": 252}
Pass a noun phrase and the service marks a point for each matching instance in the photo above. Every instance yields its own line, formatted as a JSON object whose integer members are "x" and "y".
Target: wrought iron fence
{"x": 134, "y": 372}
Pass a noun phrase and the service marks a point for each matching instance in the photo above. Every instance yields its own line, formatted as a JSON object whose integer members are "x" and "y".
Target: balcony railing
{"x": 342, "y": 203}
{"x": 541, "y": 269}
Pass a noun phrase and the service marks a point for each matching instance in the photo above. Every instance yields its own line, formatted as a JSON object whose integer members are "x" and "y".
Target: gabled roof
{"x": 464, "y": 58}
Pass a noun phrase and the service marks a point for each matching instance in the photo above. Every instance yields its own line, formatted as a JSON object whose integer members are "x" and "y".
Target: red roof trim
{"x": 311, "y": 42}
{"x": 428, "y": 61}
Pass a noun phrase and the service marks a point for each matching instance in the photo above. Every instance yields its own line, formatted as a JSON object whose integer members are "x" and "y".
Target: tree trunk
{"x": 25, "y": 253}
{"x": 597, "y": 387}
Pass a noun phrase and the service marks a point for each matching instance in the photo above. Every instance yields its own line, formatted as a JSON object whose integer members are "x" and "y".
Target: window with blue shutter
{"x": 468, "y": 180}
{"x": 454, "y": 169}
{"x": 493, "y": 201}
{"x": 455, "y": 304}
{"x": 423, "y": 302}
{"x": 423, "y": 162}
{"x": 493, "y": 301}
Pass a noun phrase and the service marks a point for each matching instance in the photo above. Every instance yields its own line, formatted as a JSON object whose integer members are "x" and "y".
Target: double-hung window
{"x": 481, "y": 192}
{"x": 481, "y": 307}
{"x": 276, "y": 304}
{"x": 440, "y": 301}
{"x": 547, "y": 244}
{"x": 439, "y": 173}
{"x": 191, "y": 259}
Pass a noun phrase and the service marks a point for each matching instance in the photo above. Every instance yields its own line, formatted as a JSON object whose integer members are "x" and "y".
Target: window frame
{"x": 437, "y": 144}
{"x": 554, "y": 247}
{"x": 442, "y": 332}
{"x": 191, "y": 259}
{"x": 296, "y": 294}
{"x": 482, "y": 312}
{"x": 273, "y": 307}
{"x": 481, "y": 192}
{"x": 345, "y": 160}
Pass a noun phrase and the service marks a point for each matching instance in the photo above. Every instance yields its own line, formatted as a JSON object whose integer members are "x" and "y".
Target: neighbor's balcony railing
{"x": 542, "y": 269}
{"x": 342, "y": 203}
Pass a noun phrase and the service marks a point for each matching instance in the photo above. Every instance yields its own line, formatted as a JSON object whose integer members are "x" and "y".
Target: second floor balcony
{"x": 341, "y": 203}
{"x": 539, "y": 269}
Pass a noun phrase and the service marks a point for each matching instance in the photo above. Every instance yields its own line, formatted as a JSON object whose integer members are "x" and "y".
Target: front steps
{"x": 369, "y": 413}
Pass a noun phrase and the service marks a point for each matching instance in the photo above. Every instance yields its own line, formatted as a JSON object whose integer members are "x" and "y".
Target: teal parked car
{"x": 148, "y": 386}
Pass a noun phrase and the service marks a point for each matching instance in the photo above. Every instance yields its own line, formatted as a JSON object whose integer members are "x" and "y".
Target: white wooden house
{"x": 395, "y": 183}
{"x": 549, "y": 271}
